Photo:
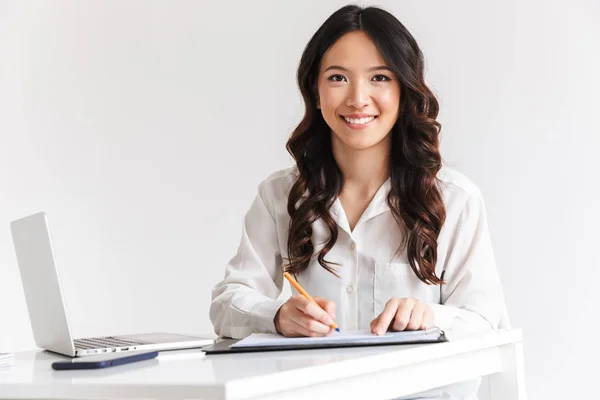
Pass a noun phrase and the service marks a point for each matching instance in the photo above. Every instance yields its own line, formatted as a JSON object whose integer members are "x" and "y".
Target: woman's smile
{"x": 358, "y": 122}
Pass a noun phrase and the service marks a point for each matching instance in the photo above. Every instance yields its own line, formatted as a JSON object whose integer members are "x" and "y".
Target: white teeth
{"x": 359, "y": 121}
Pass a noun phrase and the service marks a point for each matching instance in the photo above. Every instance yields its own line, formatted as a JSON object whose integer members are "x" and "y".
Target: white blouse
{"x": 371, "y": 269}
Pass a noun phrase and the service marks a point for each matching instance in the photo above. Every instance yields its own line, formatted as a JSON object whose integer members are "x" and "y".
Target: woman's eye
{"x": 337, "y": 78}
{"x": 381, "y": 78}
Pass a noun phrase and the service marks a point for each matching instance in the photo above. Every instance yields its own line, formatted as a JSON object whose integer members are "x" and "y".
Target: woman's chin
{"x": 360, "y": 142}
{"x": 359, "y": 145}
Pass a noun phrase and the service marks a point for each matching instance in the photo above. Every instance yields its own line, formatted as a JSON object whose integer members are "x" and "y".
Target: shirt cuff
{"x": 264, "y": 315}
{"x": 443, "y": 316}
{"x": 459, "y": 320}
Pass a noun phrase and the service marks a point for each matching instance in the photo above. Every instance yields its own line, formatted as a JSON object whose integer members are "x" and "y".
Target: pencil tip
{"x": 337, "y": 329}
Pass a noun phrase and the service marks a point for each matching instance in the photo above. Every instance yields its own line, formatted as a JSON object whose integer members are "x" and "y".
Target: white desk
{"x": 352, "y": 373}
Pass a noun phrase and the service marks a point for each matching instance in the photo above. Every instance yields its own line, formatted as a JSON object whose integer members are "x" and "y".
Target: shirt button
{"x": 353, "y": 245}
{"x": 349, "y": 289}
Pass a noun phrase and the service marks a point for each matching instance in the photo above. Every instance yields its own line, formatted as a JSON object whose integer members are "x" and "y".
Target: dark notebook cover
{"x": 432, "y": 335}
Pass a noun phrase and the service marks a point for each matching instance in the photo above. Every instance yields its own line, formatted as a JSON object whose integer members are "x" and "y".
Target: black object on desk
{"x": 431, "y": 335}
{"x": 103, "y": 361}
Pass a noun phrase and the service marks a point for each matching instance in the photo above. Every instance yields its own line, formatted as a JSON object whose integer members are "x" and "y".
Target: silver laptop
{"x": 46, "y": 306}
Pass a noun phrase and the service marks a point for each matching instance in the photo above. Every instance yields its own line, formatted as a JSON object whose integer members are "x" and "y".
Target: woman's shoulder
{"x": 463, "y": 199}
{"x": 280, "y": 179}
{"x": 455, "y": 184}
{"x": 276, "y": 186}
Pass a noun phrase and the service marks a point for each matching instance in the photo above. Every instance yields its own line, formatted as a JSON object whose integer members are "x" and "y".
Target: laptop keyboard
{"x": 103, "y": 342}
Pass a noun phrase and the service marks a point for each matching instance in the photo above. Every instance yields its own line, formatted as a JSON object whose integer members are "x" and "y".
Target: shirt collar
{"x": 377, "y": 206}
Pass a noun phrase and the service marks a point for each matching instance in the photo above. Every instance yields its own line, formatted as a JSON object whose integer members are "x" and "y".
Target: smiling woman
{"x": 355, "y": 95}
{"x": 364, "y": 71}
{"x": 369, "y": 221}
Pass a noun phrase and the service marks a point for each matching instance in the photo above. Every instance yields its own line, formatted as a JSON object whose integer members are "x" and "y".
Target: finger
{"x": 385, "y": 318}
{"x": 309, "y": 324}
{"x": 428, "y": 318}
{"x": 292, "y": 329}
{"x": 300, "y": 330}
{"x": 305, "y": 320}
{"x": 312, "y": 310}
{"x": 416, "y": 317}
{"x": 402, "y": 316}
{"x": 327, "y": 305}
{"x": 374, "y": 323}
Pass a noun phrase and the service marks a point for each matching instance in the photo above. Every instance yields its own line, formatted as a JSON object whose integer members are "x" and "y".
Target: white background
{"x": 144, "y": 127}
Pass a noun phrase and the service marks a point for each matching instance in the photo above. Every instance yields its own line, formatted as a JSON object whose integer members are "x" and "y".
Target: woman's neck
{"x": 364, "y": 170}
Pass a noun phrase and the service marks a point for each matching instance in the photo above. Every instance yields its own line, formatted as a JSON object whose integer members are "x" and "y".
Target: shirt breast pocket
{"x": 392, "y": 280}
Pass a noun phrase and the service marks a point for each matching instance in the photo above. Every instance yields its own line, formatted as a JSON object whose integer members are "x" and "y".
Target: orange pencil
{"x": 301, "y": 290}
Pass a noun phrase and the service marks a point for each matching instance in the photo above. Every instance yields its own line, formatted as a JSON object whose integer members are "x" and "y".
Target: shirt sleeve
{"x": 472, "y": 299}
{"x": 246, "y": 300}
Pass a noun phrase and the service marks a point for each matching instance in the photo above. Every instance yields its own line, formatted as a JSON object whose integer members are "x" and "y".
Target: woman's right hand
{"x": 301, "y": 317}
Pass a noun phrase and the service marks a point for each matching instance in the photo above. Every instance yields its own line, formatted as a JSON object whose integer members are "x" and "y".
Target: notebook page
{"x": 344, "y": 337}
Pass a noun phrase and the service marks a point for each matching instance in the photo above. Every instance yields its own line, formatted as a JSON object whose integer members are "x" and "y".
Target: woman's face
{"x": 359, "y": 96}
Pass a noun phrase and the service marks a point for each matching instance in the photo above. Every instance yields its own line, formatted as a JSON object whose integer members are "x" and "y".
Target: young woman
{"x": 368, "y": 220}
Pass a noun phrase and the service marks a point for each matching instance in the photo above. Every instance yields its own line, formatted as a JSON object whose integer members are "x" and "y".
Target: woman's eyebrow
{"x": 379, "y": 67}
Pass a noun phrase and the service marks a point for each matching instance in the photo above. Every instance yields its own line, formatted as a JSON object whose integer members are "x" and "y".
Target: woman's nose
{"x": 358, "y": 97}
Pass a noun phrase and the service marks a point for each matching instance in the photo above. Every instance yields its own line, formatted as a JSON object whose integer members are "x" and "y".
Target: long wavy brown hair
{"x": 414, "y": 199}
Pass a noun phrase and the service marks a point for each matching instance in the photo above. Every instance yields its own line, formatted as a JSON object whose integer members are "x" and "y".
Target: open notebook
{"x": 271, "y": 342}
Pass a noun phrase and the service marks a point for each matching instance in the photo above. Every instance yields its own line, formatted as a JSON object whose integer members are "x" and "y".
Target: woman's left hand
{"x": 403, "y": 314}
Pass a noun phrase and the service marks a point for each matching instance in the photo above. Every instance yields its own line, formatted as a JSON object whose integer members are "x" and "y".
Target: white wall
{"x": 143, "y": 127}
